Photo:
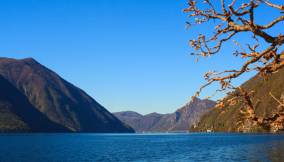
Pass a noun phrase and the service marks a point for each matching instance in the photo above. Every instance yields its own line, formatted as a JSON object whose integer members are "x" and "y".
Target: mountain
{"x": 225, "y": 120}
{"x": 181, "y": 120}
{"x": 58, "y": 100}
{"x": 18, "y": 115}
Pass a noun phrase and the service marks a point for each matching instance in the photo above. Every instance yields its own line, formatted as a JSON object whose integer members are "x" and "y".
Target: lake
{"x": 141, "y": 147}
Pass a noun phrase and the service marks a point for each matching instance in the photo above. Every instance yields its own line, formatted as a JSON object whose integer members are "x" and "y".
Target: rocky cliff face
{"x": 181, "y": 120}
{"x": 57, "y": 99}
{"x": 229, "y": 118}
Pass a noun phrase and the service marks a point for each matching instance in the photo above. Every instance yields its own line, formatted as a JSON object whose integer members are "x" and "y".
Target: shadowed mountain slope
{"x": 57, "y": 99}
{"x": 18, "y": 115}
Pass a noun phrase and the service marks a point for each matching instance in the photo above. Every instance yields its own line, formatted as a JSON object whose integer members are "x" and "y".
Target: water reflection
{"x": 270, "y": 150}
{"x": 276, "y": 152}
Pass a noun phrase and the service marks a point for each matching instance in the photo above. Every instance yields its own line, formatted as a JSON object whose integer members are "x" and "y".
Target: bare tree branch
{"x": 232, "y": 19}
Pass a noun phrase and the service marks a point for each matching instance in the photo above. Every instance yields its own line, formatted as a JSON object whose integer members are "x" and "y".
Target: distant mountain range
{"x": 35, "y": 99}
{"x": 181, "y": 120}
{"x": 226, "y": 119}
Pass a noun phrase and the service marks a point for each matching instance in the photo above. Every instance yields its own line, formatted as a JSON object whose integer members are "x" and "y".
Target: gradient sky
{"x": 127, "y": 54}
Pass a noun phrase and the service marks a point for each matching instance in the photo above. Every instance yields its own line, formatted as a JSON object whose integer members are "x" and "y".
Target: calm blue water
{"x": 137, "y": 147}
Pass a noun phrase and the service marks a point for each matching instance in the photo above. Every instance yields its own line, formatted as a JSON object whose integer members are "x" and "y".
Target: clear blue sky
{"x": 127, "y": 54}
